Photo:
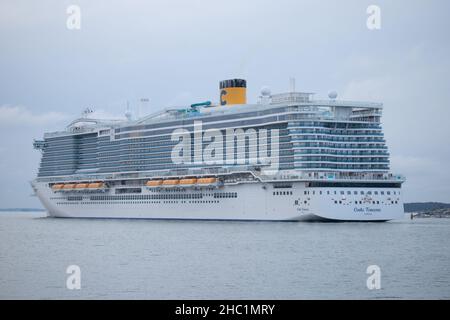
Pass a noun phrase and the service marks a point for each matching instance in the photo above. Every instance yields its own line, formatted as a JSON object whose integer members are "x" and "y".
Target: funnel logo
{"x": 222, "y": 94}
{"x": 226, "y": 147}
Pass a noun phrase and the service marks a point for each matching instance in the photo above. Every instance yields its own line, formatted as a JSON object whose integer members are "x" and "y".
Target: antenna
{"x": 292, "y": 84}
{"x": 128, "y": 112}
{"x": 143, "y": 106}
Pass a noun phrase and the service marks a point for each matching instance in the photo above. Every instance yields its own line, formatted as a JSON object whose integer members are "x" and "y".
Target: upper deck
{"x": 287, "y": 131}
{"x": 330, "y": 110}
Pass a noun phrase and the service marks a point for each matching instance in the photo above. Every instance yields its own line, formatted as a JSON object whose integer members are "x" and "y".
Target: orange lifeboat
{"x": 188, "y": 181}
{"x": 207, "y": 180}
{"x": 69, "y": 186}
{"x": 171, "y": 182}
{"x": 154, "y": 183}
{"x": 57, "y": 187}
{"x": 81, "y": 186}
{"x": 96, "y": 185}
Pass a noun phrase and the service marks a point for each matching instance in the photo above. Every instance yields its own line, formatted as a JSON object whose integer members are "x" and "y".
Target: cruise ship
{"x": 287, "y": 157}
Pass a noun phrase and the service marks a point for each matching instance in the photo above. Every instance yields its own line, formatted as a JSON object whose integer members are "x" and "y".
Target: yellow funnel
{"x": 233, "y": 91}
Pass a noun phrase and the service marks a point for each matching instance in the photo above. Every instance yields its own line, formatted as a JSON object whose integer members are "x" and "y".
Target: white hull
{"x": 249, "y": 201}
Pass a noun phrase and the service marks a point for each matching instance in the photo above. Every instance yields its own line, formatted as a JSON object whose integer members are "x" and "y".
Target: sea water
{"x": 158, "y": 259}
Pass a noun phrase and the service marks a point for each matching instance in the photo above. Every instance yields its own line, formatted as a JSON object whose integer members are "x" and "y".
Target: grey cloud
{"x": 176, "y": 52}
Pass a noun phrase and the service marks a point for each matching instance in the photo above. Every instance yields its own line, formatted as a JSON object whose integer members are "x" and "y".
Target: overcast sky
{"x": 175, "y": 52}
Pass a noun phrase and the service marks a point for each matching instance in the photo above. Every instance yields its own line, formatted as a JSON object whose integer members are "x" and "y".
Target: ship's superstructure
{"x": 287, "y": 157}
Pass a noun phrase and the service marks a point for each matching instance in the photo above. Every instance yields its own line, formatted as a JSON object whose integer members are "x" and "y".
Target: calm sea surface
{"x": 131, "y": 259}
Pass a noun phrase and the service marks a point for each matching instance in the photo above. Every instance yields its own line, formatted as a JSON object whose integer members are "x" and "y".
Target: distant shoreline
{"x": 22, "y": 210}
{"x": 428, "y": 209}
